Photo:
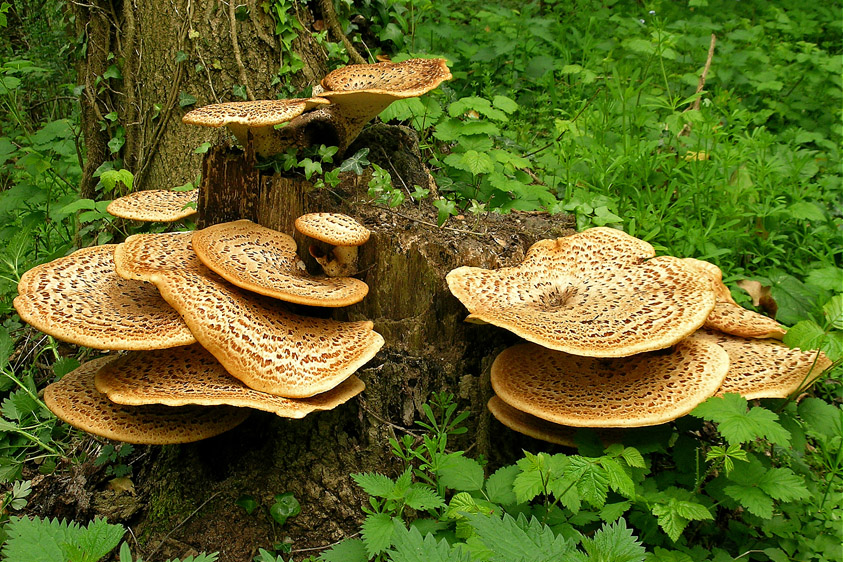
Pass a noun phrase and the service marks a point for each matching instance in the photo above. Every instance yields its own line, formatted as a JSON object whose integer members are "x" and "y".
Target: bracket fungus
{"x": 255, "y": 119}
{"x": 80, "y": 299}
{"x": 155, "y": 205}
{"x": 264, "y": 261}
{"x": 75, "y": 400}
{"x": 646, "y": 389}
{"x": 182, "y": 376}
{"x": 342, "y": 232}
{"x": 596, "y": 293}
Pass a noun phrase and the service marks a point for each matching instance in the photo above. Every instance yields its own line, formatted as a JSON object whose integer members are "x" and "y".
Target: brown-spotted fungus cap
{"x": 258, "y": 117}
{"x": 642, "y": 390}
{"x": 75, "y": 400}
{"x": 155, "y": 205}
{"x": 766, "y": 368}
{"x": 257, "y": 339}
{"x": 728, "y": 316}
{"x": 333, "y": 228}
{"x": 80, "y": 299}
{"x": 594, "y": 293}
{"x": 264, "y": 261}
{"x": 190, "y": 375}
{"x": 537, "y": 428}
{"x": 142, "y": 255}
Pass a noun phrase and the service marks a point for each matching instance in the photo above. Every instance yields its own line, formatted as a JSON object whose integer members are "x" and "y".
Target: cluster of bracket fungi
{"x": 200, "y": 319}
{"x": 619, "y": 337}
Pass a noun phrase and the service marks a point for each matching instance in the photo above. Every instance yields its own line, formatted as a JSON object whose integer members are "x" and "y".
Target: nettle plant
{"x": 730, "y": 481}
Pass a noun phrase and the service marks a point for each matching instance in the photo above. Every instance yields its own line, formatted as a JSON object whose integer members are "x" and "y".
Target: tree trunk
{"x": 186, "y": 495}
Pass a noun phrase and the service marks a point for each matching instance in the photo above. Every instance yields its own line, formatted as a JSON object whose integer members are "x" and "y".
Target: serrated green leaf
{"x": 43, "y": 540}
{"x": 422, "y": 497}
{"x": 471, "y": 161}
{"x": 7, "y": 346}
{"x": 591, "y": 478}
{"x": 478, "y": 104}
{"x": 410, "y": 546}
{"x": 505, "y": 104}
{"x": 499, "y": 485}
{"x": 737, "y": 425}
{"x": 461, "y": 504}
{"x": 612, "y": 511}
{"x": 349, "y": 550}
{"x": 783, "y": 484}
{"x": 619, "y": 480}
{"x": 833, "y": 310}
{"x": 821, "y": 417}
{"x": 805, "y": 335}
{"x": 633, "y": 457}
{"x": 376, "y": 532}
{"x": 692, "y": 510}
{"x": 376, "y": 485}
{"x": 614, "y": 543}
{"x": 93, "y": 542}
{"x": 829, "y": 278}
{"x": 520, "y": 540}
{"x": 752, "y": 498}
{"x": 458, "y": 472}
{"x": 402, "y": 484}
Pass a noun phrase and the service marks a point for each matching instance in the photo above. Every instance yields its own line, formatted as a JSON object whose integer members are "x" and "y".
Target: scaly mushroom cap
{"x": 256, "y": 339}
{"x": 537, "y": 428}
{"x": 408, "y": 79}
{"x": 142, "y": 255}
{"x": 155, "y": 205}
{"x": 255, "y": 117}
{"x": 80, "y": 299}
{"x": 577, "y": 295}
{"x": 264, "y": 261}
{"x": 75, "y": 400}
{"x": 646, "y": 389}
{"x": 333, "y": 228}
{"x": 728, "y": 316}
{"x": 190, "y": 375}
{"x": 766, "y": 368}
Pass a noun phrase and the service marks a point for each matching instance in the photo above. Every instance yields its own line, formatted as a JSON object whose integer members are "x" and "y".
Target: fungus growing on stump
{"x": 342, "y": 232}
{"x": 155, "y": 205}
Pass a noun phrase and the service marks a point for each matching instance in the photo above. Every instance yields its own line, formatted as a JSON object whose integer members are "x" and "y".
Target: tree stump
{"x": 428, "y": 349}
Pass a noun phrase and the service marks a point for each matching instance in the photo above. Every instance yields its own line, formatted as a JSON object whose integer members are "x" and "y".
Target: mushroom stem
{"x": 265, "y": 140}
{"x": 341, "y": 262}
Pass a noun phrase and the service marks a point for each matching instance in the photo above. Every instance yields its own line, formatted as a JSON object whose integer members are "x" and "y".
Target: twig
{"x": 686, "y": 130}
{"x": 558, "y": 138}
{"x": 335, "y": 29}
{"x": 387, "y": 422}
{"x": 235, "y": 46}
{"x": 183, "y": 521}
{"x": 426, "y": 223}
{"x": 311, "y": 549}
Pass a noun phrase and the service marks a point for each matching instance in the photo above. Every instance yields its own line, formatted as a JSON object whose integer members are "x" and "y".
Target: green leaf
{"x": 65, "y": 365}
{"x": 409, "y": 546}
{"x": 612, "y": 511}
{"x": 829, "y": 277}
{"x": 737, "y": 425}
{"x": 422, "y": 497}
{"x": 349, "y": 550}
{"x": 821, "y": 417}
{"x": 505, "y": 104}
{"x": 472, "y": 162}
{"x": 783, "y": 484}
{"x": 619, "y": 480}
{"x": 499, "y": 485}
{"x": 833, "y": 310}
{"x": 520, "y": 540}
{"x": 249, "y": 503}
{"x": 478, "y": 104}
{"x": 614, "y": 543}
{"x": 7, "y": 347}
{"x": 376, "y": 485}
{"x": 94, "y": 541}
{"x": 44, "y": 540}
{"x": 186, "y": 99}
{"x": 592, "y": 479}
{"x": 377, "y": 533}
{"x": 796, "y": 300}
{"x": 805, "y": 335}
{"x": 753, "y": 499}
{"x": 460, "y": 473}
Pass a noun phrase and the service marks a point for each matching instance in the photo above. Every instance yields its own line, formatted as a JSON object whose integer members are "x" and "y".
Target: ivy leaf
{"x": 737, "y": 425}
{"x": 376, "y": 485}
{"x": 377, "y": 533}
{"x": 349, "y": 550}
{"x": 614, "y": 543}
{"x": 460, "y": 473}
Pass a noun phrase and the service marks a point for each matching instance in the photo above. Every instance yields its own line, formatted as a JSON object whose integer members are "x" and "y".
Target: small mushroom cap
{"x": 646, "y": 389}
{"x": 264, "y": 261}
{"x": 410, "y": 78}
{"x": 80, "y": 299}
{"x": 75, "y": 400}
{"x": 728, "y": 316}
{"x": 766, "y": 368}
{"x": 333, "y": 228}
{"x": 141, "y": 256}
{"x": 190, "y": 375}
{"x": 577, "y": 295}
{"x": 159, "y": 205}
{"x": 252, "y": 114}
{"x": 537, "y": 428}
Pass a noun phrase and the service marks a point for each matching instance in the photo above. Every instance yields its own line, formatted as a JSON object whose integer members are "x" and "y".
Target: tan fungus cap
{"x": 264, "y": 261}
{"x": 333, "y": 228}
{"x": 569, "y": 295}
{"x": 537, "y": 428}
{"x": 142, "y": 255}
{"x": 728, "y": 316}
{"x": 159, "y": 205}
{"x": 76, "y": 401}
{"x": 766, "y": 368}
{"x": 80, "y": 299}
{"x": 646, "y": 389}
{"x": 190, "y": 375}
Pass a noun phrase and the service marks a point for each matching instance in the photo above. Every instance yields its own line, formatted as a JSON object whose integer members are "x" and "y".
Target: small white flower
{"x": 652, "y": 12}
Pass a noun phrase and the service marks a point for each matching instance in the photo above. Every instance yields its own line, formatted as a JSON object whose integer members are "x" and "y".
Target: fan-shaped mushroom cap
{"x": 161, "y": 205}
{"x": 728, "y": 316}
{"x": 81, "y": 299}
{"x": 256, "y": 339}
{"x": 190, "y": 375}
{"x": 259, "y": 117}
{"x": 580, "y": 296}
{"x": 537, "y": 428}
{"x": 264, "y": 261}
{"x": 333, "y": 228}
{"x": 646, "y": 389}
{"x": 142, "y": 255}
{"x": 766, "y": 368}
{"x": 75, "y": 400}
